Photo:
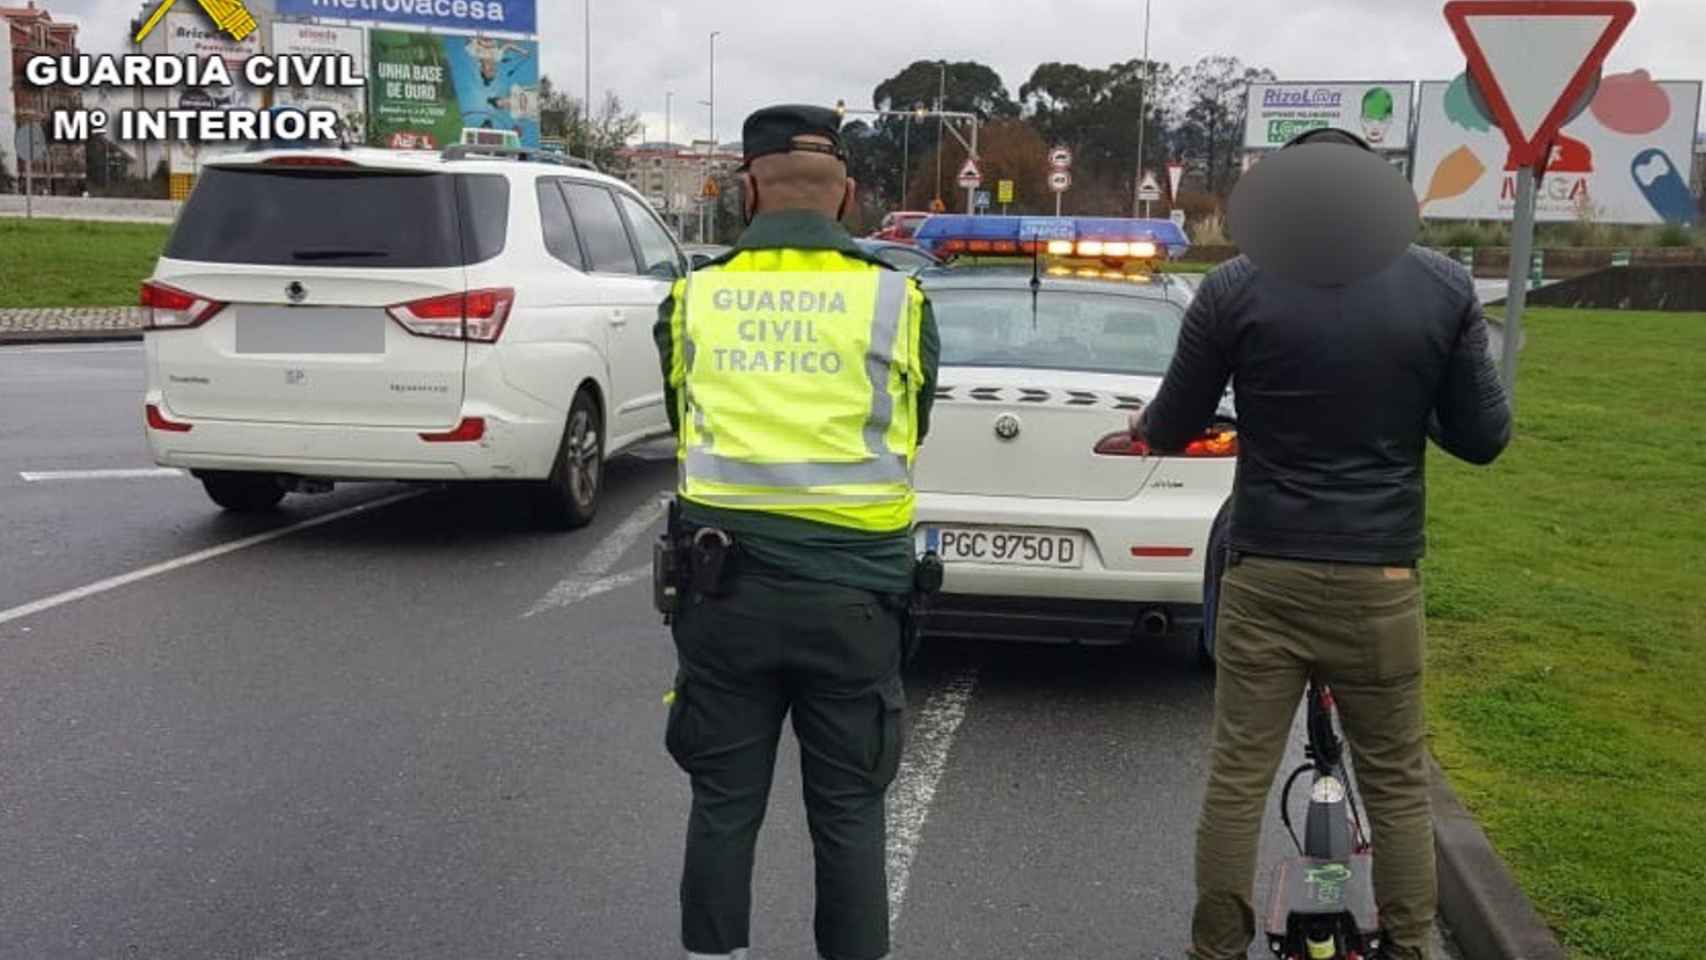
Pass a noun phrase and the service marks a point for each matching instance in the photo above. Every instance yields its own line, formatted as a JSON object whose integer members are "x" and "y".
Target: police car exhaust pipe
{"x": 1154, "y": 623}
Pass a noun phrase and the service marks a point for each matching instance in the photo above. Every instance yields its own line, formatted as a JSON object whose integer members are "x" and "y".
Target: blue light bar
{"x": 940, "y": 229}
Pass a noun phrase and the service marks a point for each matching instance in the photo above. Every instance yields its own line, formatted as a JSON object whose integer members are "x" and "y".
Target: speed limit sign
{"x": 1060, "y": 181}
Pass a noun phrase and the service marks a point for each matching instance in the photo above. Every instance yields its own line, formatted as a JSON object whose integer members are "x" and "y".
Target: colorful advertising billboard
{"x": 191, "y": 34}
{"x": 308, "y": 39}
{"x": 1624, "y": 160}
{"x": 513, "y": 16}
{"x": 426, "y": 91}
{"x": 1377, "y": 112}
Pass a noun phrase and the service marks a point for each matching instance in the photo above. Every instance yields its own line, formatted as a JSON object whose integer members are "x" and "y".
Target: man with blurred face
{"x": 1343, "y": 370}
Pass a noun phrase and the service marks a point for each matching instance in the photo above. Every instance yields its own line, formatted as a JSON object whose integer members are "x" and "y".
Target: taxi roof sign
{"x": 1534, "y": 59}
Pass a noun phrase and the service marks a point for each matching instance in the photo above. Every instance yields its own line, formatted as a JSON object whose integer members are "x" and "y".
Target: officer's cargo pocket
{"x": 680, "y": 737}
{"x": 891, "y": 732}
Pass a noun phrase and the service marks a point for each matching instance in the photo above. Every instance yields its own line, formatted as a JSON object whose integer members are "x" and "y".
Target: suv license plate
{"x": 1005, "y": 547}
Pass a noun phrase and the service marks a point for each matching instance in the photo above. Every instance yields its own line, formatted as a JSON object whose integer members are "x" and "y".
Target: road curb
{"x": 1489, "y": 915}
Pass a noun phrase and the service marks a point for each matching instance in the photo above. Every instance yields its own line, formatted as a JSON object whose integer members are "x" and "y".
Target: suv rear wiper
{"x": 335, "y": 253}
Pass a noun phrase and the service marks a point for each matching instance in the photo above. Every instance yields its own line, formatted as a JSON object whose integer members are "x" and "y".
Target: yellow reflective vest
{"x": 797, "y": 374}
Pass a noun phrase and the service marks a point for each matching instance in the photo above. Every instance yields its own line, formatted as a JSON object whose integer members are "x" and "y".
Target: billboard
{"x": 1377, "y": 112}
{"x": 514, "y": 16}
{"x": 1624, "y": 160}
{"x": 190, "y": 33}
{"x": 307, "y": 39}
{"x": 425, "y": 90}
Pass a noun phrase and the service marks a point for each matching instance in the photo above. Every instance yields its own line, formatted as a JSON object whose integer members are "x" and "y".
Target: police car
{"x": 1054, "y": 525}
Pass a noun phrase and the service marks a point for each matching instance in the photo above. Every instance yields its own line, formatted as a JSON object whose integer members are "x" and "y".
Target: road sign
{"x": 1532, "y": 62}
{"x": 1004, "y": 191}
{"x": 1149, "y": 190}
{"x": 937, "y": 206}
{"x": 1060, "y": 158}
{"x": 711, "y": 191}
{"x": 1175, "y": 177}
{"x": 970, "y": 177}
{"x": 982, "y": 200}
{"x": 1060, "y": 181}
{"x": 1178, "y": 218}
{"x": 1533, "y": 59}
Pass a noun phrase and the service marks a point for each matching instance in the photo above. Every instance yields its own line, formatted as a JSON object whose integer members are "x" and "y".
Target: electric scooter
{"x": 1322, "y": 906}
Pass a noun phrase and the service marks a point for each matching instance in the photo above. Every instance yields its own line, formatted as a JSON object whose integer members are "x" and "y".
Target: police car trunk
{"x": 1053, "y": 524}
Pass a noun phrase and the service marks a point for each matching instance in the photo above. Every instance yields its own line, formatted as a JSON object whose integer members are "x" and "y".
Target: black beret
{"x": 773, "y": 129}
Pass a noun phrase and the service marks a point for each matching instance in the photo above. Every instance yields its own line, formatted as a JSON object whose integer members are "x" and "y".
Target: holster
{"x": 668, "y": 566}
{"x": 927, "y": 576}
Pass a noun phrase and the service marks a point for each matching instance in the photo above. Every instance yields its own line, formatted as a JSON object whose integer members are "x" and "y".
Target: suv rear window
{"x": 340, "y": 218}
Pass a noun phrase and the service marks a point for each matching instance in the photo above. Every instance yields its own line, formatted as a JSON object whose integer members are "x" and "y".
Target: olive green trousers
{"x": 1360, "y": 630}
{"x": 829, "y": 656}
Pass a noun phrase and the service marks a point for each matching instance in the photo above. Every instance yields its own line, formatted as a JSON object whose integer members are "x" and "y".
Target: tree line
{"x": 1193, "y": 114}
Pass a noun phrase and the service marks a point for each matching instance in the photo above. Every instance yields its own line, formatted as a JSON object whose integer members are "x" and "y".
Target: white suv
{"x": 324, "y": 315}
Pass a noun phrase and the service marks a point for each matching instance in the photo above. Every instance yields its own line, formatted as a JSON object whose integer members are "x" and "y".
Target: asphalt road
{"x": 397, "y": 722}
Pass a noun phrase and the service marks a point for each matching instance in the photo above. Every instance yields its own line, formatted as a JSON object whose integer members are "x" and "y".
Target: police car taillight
{"x": 1217, "y": 444}
{"x": 168, "y": 308}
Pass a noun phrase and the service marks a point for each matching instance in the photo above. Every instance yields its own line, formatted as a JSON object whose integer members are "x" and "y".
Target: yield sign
{"x": 1533, "y": 59}
{"x": 970, "y": 176}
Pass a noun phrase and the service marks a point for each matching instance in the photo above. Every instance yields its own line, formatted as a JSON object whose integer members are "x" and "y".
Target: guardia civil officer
{"x": 800, "y": 373}
{"x": 1347, "y": 348}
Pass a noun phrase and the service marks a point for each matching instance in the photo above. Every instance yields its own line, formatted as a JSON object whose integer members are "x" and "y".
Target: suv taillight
{"x": 169, "y": 308}
{"x": 1218, "y": 443}
{"x": 478, "y": 315}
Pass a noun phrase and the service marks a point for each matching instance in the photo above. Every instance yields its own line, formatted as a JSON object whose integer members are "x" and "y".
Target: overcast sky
{"x": 790, "y": 51}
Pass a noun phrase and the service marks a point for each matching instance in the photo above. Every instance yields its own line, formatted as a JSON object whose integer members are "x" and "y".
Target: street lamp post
{"x": 941, "y": 127}
{"x": 586, "y": 105}
{"x": 1142, "y": 117}
{"x": 669, "y": 160}
{"x": 710, "y": 157}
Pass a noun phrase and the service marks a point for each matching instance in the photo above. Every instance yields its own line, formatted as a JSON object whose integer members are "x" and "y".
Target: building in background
{"x": 673, "y": 178}
{"x": 8, "y": 109}
{"x": 31, "y": 31}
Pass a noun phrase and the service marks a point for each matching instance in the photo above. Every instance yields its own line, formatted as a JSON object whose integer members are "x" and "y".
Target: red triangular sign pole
{"x": 1519, "y": 53}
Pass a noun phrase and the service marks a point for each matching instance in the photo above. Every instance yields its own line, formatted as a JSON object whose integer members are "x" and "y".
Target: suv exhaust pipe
{"x": 1154, "y": 623}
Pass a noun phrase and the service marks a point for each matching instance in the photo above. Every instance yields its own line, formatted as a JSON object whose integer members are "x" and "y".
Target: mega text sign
{"x": 1625, "y": 160}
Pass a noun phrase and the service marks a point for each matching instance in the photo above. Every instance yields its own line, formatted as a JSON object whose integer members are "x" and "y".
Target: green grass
{"x": 75, "y": 263}
{"x": 1567, "y": 603}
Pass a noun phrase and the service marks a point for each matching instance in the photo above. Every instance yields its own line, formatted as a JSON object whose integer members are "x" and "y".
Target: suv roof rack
{"x": 467, "y": 151}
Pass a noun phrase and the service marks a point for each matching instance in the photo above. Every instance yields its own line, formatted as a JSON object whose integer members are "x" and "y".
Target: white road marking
{"x": 921, "y": 770}
{"x": 27, "y": 351}
{"x": 591, "y": 577}
{"x": 125, "y": 579}
{"x": 586, "y": 590}
{"x": 44, "y": 476}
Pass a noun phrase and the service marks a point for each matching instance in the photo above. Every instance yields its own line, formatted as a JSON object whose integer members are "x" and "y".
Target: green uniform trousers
{"x": 831, "y": 656}
{"x": 1360, "y": 629}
